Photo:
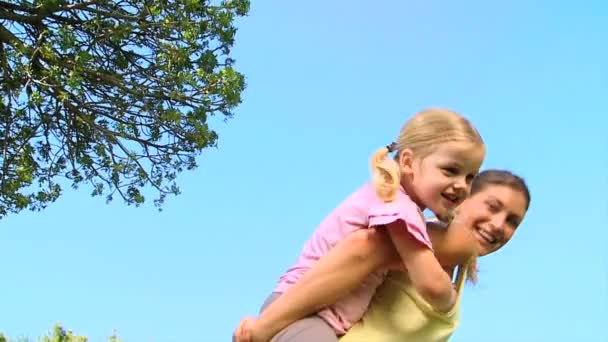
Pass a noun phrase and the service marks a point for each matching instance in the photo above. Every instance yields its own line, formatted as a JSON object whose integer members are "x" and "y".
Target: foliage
{"x": 59, "y": 334}
{"x": 113, "y": 94}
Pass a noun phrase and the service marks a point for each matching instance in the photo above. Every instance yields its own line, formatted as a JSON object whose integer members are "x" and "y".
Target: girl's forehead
{"x": 467, "y": 154}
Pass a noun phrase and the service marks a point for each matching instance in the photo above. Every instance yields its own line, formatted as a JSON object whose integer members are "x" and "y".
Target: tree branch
{"x": 33, "y": 20}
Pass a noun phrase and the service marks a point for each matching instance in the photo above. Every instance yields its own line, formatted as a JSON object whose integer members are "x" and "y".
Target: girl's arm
{"x": 332, "y": 277}
{"x": 427, "y": 275}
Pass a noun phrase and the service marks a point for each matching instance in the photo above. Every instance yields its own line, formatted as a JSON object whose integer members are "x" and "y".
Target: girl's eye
{"x": 450, "y": 171}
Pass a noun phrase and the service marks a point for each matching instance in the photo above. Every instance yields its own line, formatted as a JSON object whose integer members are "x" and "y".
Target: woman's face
{"x": 493, "y": 214}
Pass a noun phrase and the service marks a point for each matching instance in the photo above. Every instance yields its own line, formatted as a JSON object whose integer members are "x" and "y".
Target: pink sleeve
{"x": 401, "y": 209}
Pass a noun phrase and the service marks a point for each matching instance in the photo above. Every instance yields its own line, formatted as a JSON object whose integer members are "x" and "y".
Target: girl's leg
{"x": 309, "y": 329}
{"x": 312, "y": 328}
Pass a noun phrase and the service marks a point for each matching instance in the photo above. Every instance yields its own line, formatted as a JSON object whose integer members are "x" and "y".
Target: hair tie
{"x": 392, "y": 147}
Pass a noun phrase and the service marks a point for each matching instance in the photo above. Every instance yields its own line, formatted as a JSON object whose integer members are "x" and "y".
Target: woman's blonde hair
{"x": 421, "y": 134}
{"x": 471, "y": 269}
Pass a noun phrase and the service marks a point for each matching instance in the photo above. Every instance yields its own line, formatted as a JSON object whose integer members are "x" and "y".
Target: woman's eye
{"x": 494, "y": 207}
{"x": 513, "y": 222}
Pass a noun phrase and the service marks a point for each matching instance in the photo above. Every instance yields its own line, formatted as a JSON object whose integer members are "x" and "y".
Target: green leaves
{"x": 113, "y": 95}
{"x": 59, "y": 334}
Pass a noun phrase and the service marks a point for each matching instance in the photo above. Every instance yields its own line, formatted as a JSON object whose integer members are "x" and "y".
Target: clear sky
{"x": 328, "y": 83}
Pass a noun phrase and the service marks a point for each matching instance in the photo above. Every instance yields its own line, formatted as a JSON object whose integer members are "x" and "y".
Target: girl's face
{"x": 492, "y": 214}
{"x": 441, "y": 180}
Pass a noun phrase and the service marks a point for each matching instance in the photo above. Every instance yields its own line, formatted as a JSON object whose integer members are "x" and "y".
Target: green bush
{"x": 59, "y": 334}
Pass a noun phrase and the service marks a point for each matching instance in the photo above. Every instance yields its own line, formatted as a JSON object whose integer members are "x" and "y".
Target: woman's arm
{"x": 332, "y": 277}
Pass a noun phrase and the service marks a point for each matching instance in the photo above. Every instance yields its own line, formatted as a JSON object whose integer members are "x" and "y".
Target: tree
{"x": 113, "y": 94}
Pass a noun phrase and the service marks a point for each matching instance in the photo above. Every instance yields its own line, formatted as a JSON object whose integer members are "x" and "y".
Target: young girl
{"x": 438, "y": 154}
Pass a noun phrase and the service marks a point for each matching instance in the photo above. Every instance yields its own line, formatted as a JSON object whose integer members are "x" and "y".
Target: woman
{"x": 497, "y": 205}
{"x": 487, "y": 220}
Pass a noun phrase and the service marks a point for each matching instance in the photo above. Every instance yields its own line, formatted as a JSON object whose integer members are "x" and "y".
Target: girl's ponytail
{"x": 385, "y": 173}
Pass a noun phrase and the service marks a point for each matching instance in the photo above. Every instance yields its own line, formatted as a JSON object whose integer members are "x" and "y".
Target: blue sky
{"x": 328, "y": 83}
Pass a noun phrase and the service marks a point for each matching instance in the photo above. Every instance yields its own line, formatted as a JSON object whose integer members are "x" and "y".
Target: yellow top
{"x": 398, "y": 313}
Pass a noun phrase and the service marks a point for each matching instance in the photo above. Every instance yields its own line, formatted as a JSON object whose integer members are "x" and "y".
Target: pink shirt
{"x": 362, "y": 209}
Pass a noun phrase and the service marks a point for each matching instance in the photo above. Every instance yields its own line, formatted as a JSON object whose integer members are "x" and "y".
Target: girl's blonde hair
{"x": 421, "y": 134}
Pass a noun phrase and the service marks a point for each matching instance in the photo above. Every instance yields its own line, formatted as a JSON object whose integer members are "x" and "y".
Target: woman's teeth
{"x": 486, "y": 236}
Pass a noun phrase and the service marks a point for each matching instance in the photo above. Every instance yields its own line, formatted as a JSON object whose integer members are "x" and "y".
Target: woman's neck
{"x": 450, "y": 249}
